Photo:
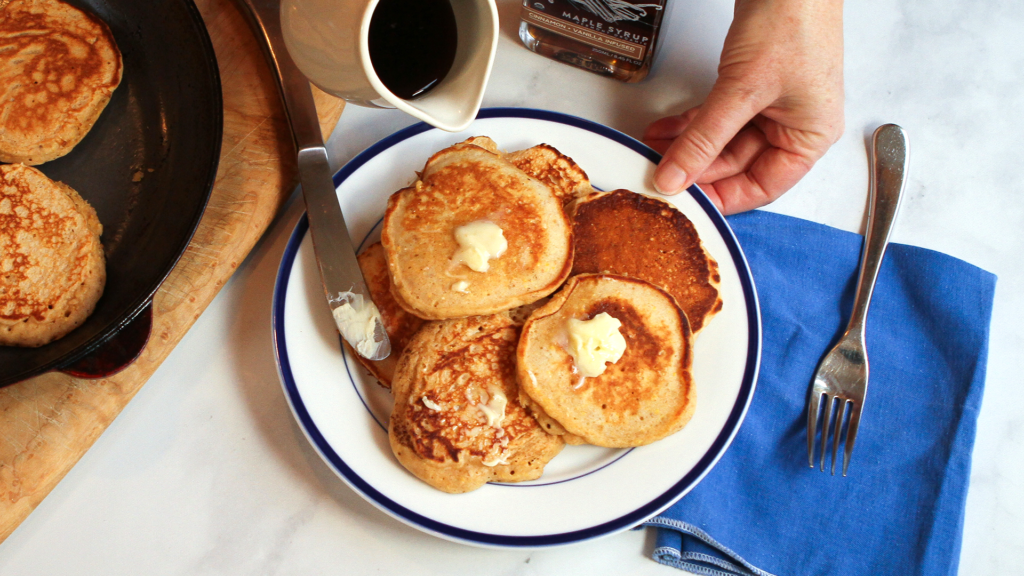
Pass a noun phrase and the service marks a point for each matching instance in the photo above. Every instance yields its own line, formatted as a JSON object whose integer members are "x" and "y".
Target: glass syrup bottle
{"x": 615, "y": 38}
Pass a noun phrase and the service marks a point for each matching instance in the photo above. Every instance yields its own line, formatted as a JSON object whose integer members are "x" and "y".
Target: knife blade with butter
{"x": 356, "y": 316}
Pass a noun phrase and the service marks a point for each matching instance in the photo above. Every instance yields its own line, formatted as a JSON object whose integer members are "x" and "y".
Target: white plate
{"x": 585, "y": 491}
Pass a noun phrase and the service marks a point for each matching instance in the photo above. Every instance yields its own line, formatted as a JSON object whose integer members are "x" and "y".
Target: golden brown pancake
{"x": 521, "y": 314}
{"x": 646, "y": 395}
{"x": 482, "y": 142}
{"x": 457, "y": 423}
{"x": 58, "y": 67}
{"x": 545, "y": 163}
{"x": 400, "y": 325}
{"x": 549, "y": 424}
{"x": 52, "y": 269}
{"x": 92, "y": 221}
{"x": 622, "y": 232}
{"x": 460, "y": 185}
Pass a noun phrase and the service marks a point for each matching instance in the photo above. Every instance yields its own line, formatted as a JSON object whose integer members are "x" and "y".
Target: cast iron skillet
{"x": 147, "y": 166}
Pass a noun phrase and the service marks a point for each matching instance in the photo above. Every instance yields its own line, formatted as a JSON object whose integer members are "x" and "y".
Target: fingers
{"x": 726, "y": 111}
{"x": 659, "y": 146}
{"x": 773, "y": 173}
{"x": 671, "y": 126}
{"x": 712, "y": 193}
{"x": 756, "y": 166}
{"x": 738, "y": 155}
{"x": 811, "y": 144}
{"x": 660, "y": 133}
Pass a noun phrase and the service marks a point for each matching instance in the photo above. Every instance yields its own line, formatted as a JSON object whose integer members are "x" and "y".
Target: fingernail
{"x": 669, "y": 178}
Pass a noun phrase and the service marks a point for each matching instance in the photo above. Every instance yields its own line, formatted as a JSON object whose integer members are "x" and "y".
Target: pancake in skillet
{"x": 646, "y": 395}
{"x": 58, "y": 68}
{"x": 399, "y": 324}
{"x": 622, "y": 232}
{"x": 457, "y": 423}
{"x": 52, "y": 270}
{"x": 463, "y": 186}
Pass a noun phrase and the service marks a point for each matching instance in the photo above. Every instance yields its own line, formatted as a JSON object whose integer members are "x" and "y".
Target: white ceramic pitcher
{"x": 327, "y": 39}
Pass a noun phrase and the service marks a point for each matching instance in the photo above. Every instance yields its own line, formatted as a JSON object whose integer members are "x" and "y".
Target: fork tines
{"x": 846, "y": 415}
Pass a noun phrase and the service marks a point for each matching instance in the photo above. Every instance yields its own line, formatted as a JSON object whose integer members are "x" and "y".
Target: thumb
{"x": 726, "y": 111}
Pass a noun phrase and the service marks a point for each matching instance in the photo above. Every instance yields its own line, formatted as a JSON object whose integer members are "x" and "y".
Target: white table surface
{"x": 205, "y": 471}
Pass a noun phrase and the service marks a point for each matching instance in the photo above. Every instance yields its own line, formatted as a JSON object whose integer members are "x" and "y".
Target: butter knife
{"x": 355, "y": 314}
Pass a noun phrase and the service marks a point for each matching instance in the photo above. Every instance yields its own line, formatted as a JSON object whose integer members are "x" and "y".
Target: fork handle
{"x": 889, "y": 162}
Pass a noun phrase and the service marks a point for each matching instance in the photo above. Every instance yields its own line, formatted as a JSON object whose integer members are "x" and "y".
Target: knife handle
{"x": 264, "y": 17}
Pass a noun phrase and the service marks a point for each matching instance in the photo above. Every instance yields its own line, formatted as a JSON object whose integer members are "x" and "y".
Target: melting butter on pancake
{"x": 400, "y": 325}
{"x": 461, "y": 185}
{"x": 457, "y": 423}
{"x": 634, "y": 235}
{"x": 58, "y": 68}
{"x": 52, "y": 269}
{"x": 643, "y": 396}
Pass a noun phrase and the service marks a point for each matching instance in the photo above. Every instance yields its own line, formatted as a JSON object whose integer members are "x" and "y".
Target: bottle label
{"x": 620, "y": 27}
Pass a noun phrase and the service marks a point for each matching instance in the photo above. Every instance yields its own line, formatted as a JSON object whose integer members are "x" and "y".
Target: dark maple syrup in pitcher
{"x": 412, "y": 44}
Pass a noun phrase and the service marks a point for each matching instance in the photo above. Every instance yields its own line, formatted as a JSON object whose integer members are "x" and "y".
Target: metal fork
{"x": 842, "y": 376}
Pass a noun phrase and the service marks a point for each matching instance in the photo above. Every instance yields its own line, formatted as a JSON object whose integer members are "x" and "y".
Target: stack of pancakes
{"x": 58, "y": 68}
{"x": 485, "y": 387}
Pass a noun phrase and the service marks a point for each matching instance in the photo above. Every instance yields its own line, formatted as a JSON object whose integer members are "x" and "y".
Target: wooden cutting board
{"x": 47, "y": 423}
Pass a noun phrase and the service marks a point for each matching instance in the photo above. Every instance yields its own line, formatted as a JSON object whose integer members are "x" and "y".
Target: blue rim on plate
{"x": 653, "y": 507}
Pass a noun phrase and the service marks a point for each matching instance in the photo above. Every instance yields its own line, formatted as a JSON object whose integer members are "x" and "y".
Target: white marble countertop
{"x": 205, "y": 471}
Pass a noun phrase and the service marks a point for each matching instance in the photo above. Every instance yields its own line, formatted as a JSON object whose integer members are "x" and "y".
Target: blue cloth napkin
{"x": 762, "y": 509}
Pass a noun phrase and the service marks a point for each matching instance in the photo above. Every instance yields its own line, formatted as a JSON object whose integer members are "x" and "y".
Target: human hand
{"x": 775, "y": 109}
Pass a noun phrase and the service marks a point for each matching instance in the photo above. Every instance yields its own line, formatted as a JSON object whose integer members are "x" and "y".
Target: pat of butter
{"x": 356, "y": 319}
{"x": 479, "y": 242}
{"x": 461, "y": 286}
{"x": 594, "y": 342}
{"x": 494, "y": 409}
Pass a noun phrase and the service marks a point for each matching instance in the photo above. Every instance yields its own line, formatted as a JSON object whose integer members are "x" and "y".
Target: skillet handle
{"x": 117, "y": 353}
